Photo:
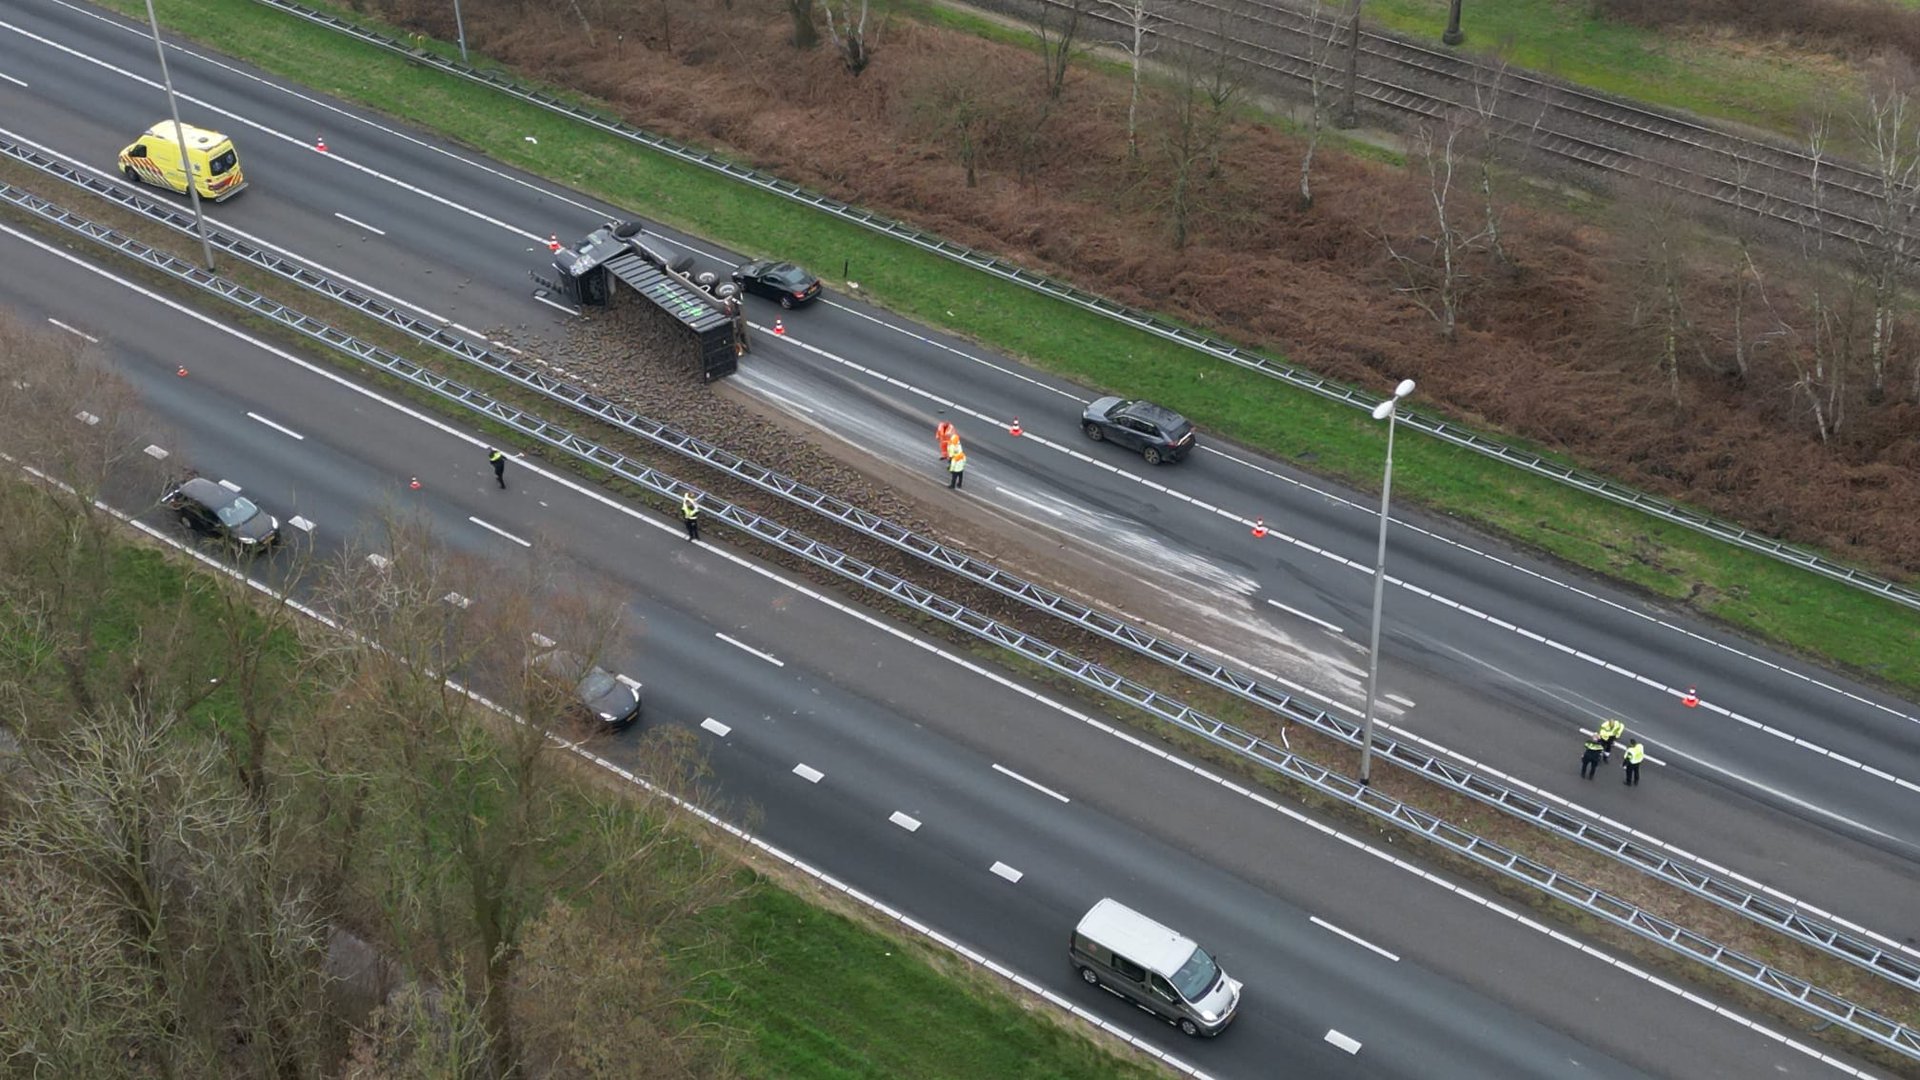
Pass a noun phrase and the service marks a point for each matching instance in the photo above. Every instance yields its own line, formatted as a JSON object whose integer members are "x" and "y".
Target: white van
{"x": 1133, "y": 957}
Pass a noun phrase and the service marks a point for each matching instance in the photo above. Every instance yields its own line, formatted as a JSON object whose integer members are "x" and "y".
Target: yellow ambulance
{"x": 154, "y": 159}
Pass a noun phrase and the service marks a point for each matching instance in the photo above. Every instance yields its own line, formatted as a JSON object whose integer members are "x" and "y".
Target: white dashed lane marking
{"x": 300, "y": 523}
{"x": 905, "y": 822}
{"x": 1356, "y": 939}
{"x": 1007, "y": 872}
{"x": 75, "y": 331}
{"x": 1304, "y": 615}
{"x": 282, "y": 429}
{"x": 458, "y": 600}
{"x": 21, "y": 82}
{"x": 744, "y": 647}
{"x": 359, "y": 224}
{"x": 808, "y": 773}
{"x": 1041, "y": 788}
{"x": 1345, "y": 1042}
{"x": 629, "y": 680}
{"x": 379, "y": 561}
{"x": 542, "y": 640}
{"x": 498, "y": 531}
{"x": 715, "y": 726}
{"x": 86, "y": 417}
{"x": 156, "y": 453}
{"x": 230, "y": 486}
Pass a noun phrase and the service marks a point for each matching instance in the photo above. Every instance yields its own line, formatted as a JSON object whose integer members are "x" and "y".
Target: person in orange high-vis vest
{"x": 944, "y": 436}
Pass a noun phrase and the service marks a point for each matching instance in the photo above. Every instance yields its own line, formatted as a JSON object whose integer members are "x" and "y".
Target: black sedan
{"x": 1158, "y": 434}
{"x": 216, "y": 511}
{"x": 780, "y": 281}
{"x": 595, "y": 696}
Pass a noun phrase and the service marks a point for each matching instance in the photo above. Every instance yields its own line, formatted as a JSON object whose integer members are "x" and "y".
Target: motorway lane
{"x": 833, "y": 704}
{"x": 1522, "y": 723}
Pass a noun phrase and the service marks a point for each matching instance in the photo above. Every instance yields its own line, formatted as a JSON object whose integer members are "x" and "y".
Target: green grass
{"x": 1820, "y": 618}
{"x": 824, "y": 986}
{"x": 1754, "y": 86}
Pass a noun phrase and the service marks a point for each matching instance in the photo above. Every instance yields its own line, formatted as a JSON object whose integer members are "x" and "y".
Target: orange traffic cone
{"x": 1259, "y": 528}
{"x": 320, "y": 143}
{"x": 779, "y": 327}
{"x": 553, "y": 241}
{"x": 181, "y": 371}
{"x": 1015, "y": 429}
{"x": 1691, "y": 699}
{"x": 414, "y": 483}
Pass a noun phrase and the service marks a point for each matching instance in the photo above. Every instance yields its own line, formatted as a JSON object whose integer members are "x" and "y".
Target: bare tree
{"x": 847, "y": 28}
{"x": 1437, "y": 267}
{"x": 1138, "y": 19}
{"x": 1493, "y": 132}
{"x": 1350, "y": 93}
{"x": 1323, "y": 37}
{"x": 1058, "y": 30}
{"x": 805, "y": 34}
{"x": 1197, "y": 112}
{"x": 1888, "y": 131}
{"x": 956, "y": 100}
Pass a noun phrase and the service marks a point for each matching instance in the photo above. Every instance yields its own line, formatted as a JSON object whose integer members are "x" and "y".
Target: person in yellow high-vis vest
{"x": 499, "y": 462}
{"x": 956, "y": 467}
{"x": 1610, "y": 730}
{"x": 1634, "y": 756}
{"x": 690, "y": 513}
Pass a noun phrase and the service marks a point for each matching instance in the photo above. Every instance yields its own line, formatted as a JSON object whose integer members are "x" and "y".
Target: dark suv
{"x": 211, "y": 509}
{"x": 594, "y": 696}
{"x": 1158, "y": 434}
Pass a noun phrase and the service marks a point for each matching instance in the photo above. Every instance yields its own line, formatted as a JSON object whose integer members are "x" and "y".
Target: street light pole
{"x": 1388, "y": 411}
{"x": 460, "y": 27}
{"x": 180, "y": 133}
{"x": 1453, "y": 36}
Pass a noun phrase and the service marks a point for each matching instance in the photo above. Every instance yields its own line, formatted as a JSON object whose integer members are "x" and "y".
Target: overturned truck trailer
{"x": 613, "y": 266}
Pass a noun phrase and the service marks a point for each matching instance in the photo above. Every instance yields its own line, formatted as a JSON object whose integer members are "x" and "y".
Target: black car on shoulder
{"x": 217, "y": 511}
{"x": 1158, "y": 434}
{"x": 594, "y": 695}
{"x": 780, "y": 281}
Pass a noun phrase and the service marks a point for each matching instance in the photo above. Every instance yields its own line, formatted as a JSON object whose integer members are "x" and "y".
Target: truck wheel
{"x": 1093, "y": 431}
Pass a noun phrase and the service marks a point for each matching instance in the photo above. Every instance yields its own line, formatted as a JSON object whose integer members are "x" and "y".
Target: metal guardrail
{"x": 1581, "y": 479}
{"x": 1873, "y": 952}
{"x": 1740, "y": 967}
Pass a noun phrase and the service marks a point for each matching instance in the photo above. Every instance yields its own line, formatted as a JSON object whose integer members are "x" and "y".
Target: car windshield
{"x": 1196, "y": 976}
{"x": 219, "y": 166}
{"x": 596, "y": 685}
{"x": 238, "y": 512}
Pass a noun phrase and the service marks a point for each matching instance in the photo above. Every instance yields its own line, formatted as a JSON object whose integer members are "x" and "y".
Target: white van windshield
{"x": 1196, "y": 976}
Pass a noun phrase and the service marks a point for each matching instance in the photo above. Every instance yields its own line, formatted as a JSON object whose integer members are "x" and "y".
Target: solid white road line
{"x": 785, "y": 401}
{"x": 1401, "y": 701}
{"x": 1356, "y": 939}
{"x": 16, "y": 82}
{"x": 744, "y": 647}
{"x": 1041, "y": 788}
{"x": 361, "y": 224}
{"x": 69, "y": 329}
{"x": 1007, "y": 872}
{"x": 799, "y": 588}
{"x": 500, "y": 531}
{"x": 1345, "y": 1042}
{"x": 287, "y": 431}
{"x": 1304, "y": 615}
{"x": 716, "y": 727}
{"x": 155, "y": 452}
{"x": 300, "y": 523}
{"x": 905, "y": 822}
{"x": 230, "y": 486}
{"x": 86, "y": 418}
{"x": 808, "y": 773}
{"x": 556, "y": 305}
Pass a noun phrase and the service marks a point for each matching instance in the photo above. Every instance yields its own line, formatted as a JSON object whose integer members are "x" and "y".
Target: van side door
{"x": 1165, "y": 1000}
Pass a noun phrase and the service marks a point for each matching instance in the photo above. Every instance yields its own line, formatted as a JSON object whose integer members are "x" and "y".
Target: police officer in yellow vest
{"x": 1635, "y": 754}
{"x": 690, "y": 513}
{"x": 499, "y": 462}
{"x": 956, "y": 466}
{"x": 1610, "y": 729}
{"x": 1590, "y": 758}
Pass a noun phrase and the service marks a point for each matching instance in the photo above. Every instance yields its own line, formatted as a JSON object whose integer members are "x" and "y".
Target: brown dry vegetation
{"x": 1853, "y": 26}
{"x": 1568, "y": 342}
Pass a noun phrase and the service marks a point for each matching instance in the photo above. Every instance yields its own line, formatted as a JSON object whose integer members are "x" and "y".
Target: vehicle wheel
{"x": 786, "y": 302}
{"x": 1093, "y": 431}
{"x": 1152, "y": 454}
{"x": 1189, "y": 1028}
{"x": 1090, "y": 977}
{"x": 626, "y": 230}
{"x": 131, "y": 173}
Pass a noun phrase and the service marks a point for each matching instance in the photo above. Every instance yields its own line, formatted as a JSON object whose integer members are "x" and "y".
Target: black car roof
{"x": 207, "y": 491}
{"x": 1155, "y": 414}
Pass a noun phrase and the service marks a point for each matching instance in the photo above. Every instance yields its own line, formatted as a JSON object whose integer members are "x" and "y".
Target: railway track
{"x": 1598, "y": 135}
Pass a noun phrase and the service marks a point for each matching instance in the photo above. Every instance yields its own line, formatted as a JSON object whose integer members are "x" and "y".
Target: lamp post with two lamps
{"x": 1387, "y": 410}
